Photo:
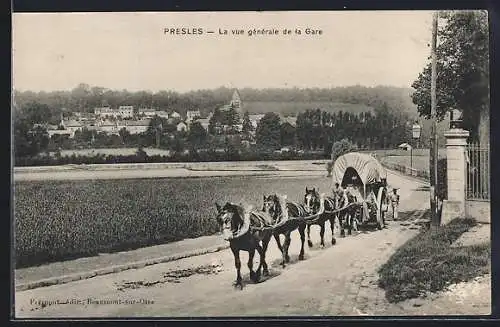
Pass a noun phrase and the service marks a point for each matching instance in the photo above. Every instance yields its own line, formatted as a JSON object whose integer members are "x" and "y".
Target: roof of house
{"x": 58, "y": 131}
{"x": 291, "y": 120}
{"x": 142, "y": 122}
{"x": 255, "y": 116}
{"x": 147, "y": 110}
{"x": 72, "y": 123}
{"x": 108, "y": 123}
{"x": 125, "y": 107}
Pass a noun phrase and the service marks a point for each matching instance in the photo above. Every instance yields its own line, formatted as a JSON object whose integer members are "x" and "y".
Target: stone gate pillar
{"x": 456, "y": 142}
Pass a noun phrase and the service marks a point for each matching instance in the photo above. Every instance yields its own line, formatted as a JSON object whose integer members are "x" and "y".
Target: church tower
{"x": 236, "y": 101}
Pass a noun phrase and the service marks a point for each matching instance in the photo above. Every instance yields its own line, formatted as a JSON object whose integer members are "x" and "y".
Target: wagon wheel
{"x": 381, "y": 207}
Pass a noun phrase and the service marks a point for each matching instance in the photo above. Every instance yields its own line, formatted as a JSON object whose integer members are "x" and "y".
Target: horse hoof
{"x": 334, "y": 241}
{"x": 256, "y": 277}
{"x": 253, "y": 276}
{"x": 310, "y": 244}
{"x": 301, "y": 257}
{"x": 266, "y": 272}
{"x": 238, "y": 283}
{"x": 287, "y": 259}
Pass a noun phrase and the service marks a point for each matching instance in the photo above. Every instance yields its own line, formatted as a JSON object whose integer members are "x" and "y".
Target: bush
{"x": 342, "y": 147}
{"x": 141, "y": 157}
{"x": 339, "y": 148}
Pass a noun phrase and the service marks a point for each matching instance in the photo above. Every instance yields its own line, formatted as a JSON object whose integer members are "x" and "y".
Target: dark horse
{"x": 275, "y": 206}
{"x": 312, "y": 204}
{"x": 231, "y": 218}
{"x": 345, "y": 217}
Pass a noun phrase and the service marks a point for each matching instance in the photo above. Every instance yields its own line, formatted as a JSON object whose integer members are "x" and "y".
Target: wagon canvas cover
{"x": 368, "y": 168}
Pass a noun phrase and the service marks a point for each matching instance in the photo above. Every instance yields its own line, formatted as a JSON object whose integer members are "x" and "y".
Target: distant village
{"x": 111, "y": 120}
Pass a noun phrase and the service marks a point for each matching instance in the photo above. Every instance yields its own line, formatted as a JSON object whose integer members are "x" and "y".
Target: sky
{"x": 57, "y": 51}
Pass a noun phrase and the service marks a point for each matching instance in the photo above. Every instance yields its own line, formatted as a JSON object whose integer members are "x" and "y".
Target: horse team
{"x": 230, "y": 218}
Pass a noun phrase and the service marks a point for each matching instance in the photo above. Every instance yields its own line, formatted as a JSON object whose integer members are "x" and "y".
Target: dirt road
{"x": 337, "y": 280}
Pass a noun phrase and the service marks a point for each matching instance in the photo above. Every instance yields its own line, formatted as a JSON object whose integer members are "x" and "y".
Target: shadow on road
{"x": 294, "y": 258}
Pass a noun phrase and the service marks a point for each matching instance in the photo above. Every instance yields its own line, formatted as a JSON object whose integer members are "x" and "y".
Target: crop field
{"x": 59, "y": 220}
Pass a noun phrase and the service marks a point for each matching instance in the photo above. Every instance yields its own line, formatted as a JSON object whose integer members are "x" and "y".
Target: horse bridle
{"x": 273, "y": 208}
{"x": 315, "y": 203}
{"x": 223, "y": 212}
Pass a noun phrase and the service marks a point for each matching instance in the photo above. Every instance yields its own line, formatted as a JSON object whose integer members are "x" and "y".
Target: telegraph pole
{"x": 434, "y": 143}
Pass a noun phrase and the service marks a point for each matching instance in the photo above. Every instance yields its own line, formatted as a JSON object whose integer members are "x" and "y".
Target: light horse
{"x": 236, "y": 222}
{"x": 276, "y": 206}
{"x": 312, "y": 204}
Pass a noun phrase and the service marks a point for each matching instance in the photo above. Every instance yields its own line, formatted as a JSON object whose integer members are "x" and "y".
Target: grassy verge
{"x": 428, "y": 263}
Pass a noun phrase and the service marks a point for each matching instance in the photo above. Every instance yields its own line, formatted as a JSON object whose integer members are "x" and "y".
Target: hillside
{"x": 293, "y": 108}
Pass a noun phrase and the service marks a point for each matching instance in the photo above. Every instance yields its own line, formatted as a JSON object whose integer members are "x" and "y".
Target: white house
{"x": 147, "y": 112}
{"x": 182, "y": 127}
{"x": 72, "y": 126}
{"x": 192, "y": 114}
{"x": 175, "y": 114}
{"x": 108, "y": 127}
{"x": 122, "y": 111}
{"x": 134, "y": 126}
{"x": 162, "y": 114}
{"x": 103, "y": 111}
{"x": 125, "y": 111}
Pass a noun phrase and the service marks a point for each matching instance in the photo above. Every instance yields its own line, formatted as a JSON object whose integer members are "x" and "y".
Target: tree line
{"x": 319, "y": 130}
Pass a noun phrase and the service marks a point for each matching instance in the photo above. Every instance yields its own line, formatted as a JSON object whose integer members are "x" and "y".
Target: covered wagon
{"x": 366, "y": 181}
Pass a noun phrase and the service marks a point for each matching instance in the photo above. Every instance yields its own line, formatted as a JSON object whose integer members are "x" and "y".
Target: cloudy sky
{"x": 130, "y": 50}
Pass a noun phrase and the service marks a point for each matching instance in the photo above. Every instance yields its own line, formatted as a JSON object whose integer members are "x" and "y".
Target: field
{"x": 58, "y": 220}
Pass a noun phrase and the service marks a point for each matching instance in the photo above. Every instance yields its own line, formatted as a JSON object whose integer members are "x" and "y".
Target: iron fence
{"x": 478, "y": 172}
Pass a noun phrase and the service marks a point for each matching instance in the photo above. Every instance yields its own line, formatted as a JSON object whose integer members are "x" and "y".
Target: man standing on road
{"x": 394, "y": 199}
{"x": 338, "y": 195}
